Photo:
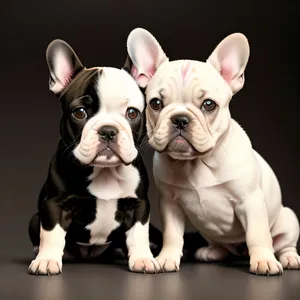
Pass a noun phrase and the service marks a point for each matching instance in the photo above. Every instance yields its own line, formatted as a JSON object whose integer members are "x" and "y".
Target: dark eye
{"x": 79, "y": 113}
{"x": 208, "y": 105}
{"x": 132, "y": 113}
{"x": 156, "y": 104}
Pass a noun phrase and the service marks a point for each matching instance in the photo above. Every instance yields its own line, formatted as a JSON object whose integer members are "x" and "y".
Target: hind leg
{"x": 34, "y": 232}
{"x": 285, "y": 233}
{"x": 211, "y": 253}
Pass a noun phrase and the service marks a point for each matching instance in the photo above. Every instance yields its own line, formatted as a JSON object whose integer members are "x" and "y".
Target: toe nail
{"x": 144, "y": 268}
{"x": 155, "y": 269}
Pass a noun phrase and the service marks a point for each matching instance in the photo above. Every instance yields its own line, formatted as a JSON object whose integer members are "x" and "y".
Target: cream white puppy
{"x": 204, "y": 166}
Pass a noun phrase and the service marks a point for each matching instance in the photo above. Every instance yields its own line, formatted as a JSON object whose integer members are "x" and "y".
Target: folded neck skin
{"x": 110, "y": 183}
{"x": 214, "y": 158}
{"x": 108, "y": 179}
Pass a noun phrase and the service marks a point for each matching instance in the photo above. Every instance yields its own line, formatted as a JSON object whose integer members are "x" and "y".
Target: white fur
{"x": 126, "y": 179}
{"x": 49, "y": 258}
{"x": 224, "y": 187}
{"x": 117, "y": 91}
{"x": 114, "y": 183}
{"x": 108, "y": 185}
{"x": 105, "y": 221}
{"x": 140, "y": 256}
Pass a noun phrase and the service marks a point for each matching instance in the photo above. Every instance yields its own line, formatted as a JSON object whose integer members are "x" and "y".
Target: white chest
{"x": 105, "y": 221}
{"x": 211, "y": 211}
{"x": 114, "y": 183}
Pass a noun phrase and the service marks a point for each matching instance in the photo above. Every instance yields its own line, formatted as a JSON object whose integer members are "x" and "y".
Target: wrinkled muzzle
{"x": 106, "y": 141}
{"x": 181, "y": 133}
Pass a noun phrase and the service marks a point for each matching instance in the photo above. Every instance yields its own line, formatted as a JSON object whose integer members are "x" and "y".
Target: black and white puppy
{"x": 97, "y": 184}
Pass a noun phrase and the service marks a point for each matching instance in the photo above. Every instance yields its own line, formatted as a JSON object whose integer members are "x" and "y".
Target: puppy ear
{"x": 63, "y": 65}
{"x": 230, "y": 58}
{"x": 144, "y": 54}
{"x": 128, "y": 64}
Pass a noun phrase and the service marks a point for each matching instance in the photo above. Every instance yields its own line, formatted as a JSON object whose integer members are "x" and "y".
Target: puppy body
{"x": 97, "y": 185}
{"x": 206, "y": 189}
{"x": 205, "y": 167}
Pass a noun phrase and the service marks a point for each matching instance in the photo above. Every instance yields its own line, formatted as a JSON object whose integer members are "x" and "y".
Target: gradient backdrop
{"x": 97, "y": 30}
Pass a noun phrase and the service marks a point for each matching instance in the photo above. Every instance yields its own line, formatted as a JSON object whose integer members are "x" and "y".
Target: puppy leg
{"x": 49, "y": 258}
{"x": 34, "y": 232}
{"x": 53, "y": 226}
{"x": 285, "y": 234}
{"x": 211, "y": 253}
{"x": 140, "y": 256}
{"x": 252, "y": 213}
{"x": 173, "y": 223}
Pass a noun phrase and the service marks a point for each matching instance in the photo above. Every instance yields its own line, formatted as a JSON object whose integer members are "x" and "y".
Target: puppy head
{"x": 103, "y": 108}
{"x": 187, "y": 101}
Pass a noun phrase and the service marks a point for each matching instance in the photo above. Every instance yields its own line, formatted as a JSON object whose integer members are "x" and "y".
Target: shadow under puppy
{"x": 204, "y": 166}
{"x": 97, "y": 184}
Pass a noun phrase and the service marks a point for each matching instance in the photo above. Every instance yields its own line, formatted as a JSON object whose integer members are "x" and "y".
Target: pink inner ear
{"x": 142, "y": 77}
{"x": 63, "y": 70}
{"x": 226, "y": 74}
{"x": 145, "y": 60}
{"x": 228, "y": 67}
{"x": 134, "y": 71}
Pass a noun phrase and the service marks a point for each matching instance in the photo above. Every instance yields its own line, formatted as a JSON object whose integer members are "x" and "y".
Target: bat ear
{"x": 230, "y": 58}
{"x": 128, "y": 65}
{"x": 145, "y": 55}
{"x": 63, "y": 65}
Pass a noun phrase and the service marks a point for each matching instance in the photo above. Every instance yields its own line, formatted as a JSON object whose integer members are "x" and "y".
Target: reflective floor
{"x": 194, "y": 281}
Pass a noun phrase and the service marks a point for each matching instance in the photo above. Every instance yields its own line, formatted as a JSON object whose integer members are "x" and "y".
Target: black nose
{"x": 180, "y": 121}
{"x": 108, "y": 132}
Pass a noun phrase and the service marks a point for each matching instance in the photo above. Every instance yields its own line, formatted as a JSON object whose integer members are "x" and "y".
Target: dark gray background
{"x": 97, "y": 30}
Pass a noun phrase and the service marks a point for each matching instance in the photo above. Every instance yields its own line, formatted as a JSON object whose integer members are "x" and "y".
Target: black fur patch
{"x": 132, "y": 210}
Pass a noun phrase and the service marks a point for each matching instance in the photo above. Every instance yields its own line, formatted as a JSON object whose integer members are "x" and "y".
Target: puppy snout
{"x": 180, "y": 121}
{"x": 108, "y": 133}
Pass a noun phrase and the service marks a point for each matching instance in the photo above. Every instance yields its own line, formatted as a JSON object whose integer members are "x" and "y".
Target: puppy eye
{"x": 132, "y": 113}
{"x": 79, "y": 113}
{"x": 208, "y": 105}
{"x": 156, "y": 104}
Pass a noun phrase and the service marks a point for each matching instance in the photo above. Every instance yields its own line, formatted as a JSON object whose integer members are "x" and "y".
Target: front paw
{"x": 45, "y": 267}
{"x": 263, "y": 262}
{"x": 144, "y": 265}
{"x": 169, "y": 261}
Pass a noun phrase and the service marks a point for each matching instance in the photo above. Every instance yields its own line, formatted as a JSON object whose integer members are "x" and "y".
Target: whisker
{"x": 70, "y": 146}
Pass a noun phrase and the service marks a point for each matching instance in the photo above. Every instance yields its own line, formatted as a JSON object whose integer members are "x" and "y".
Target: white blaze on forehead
{"x": 117, "y": 89}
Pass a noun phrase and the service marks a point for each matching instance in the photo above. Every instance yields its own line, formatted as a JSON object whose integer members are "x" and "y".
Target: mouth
{"x": 107, "y": 158}
{"x": 107, "y": 152}
{"x": 180, "y": 146}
